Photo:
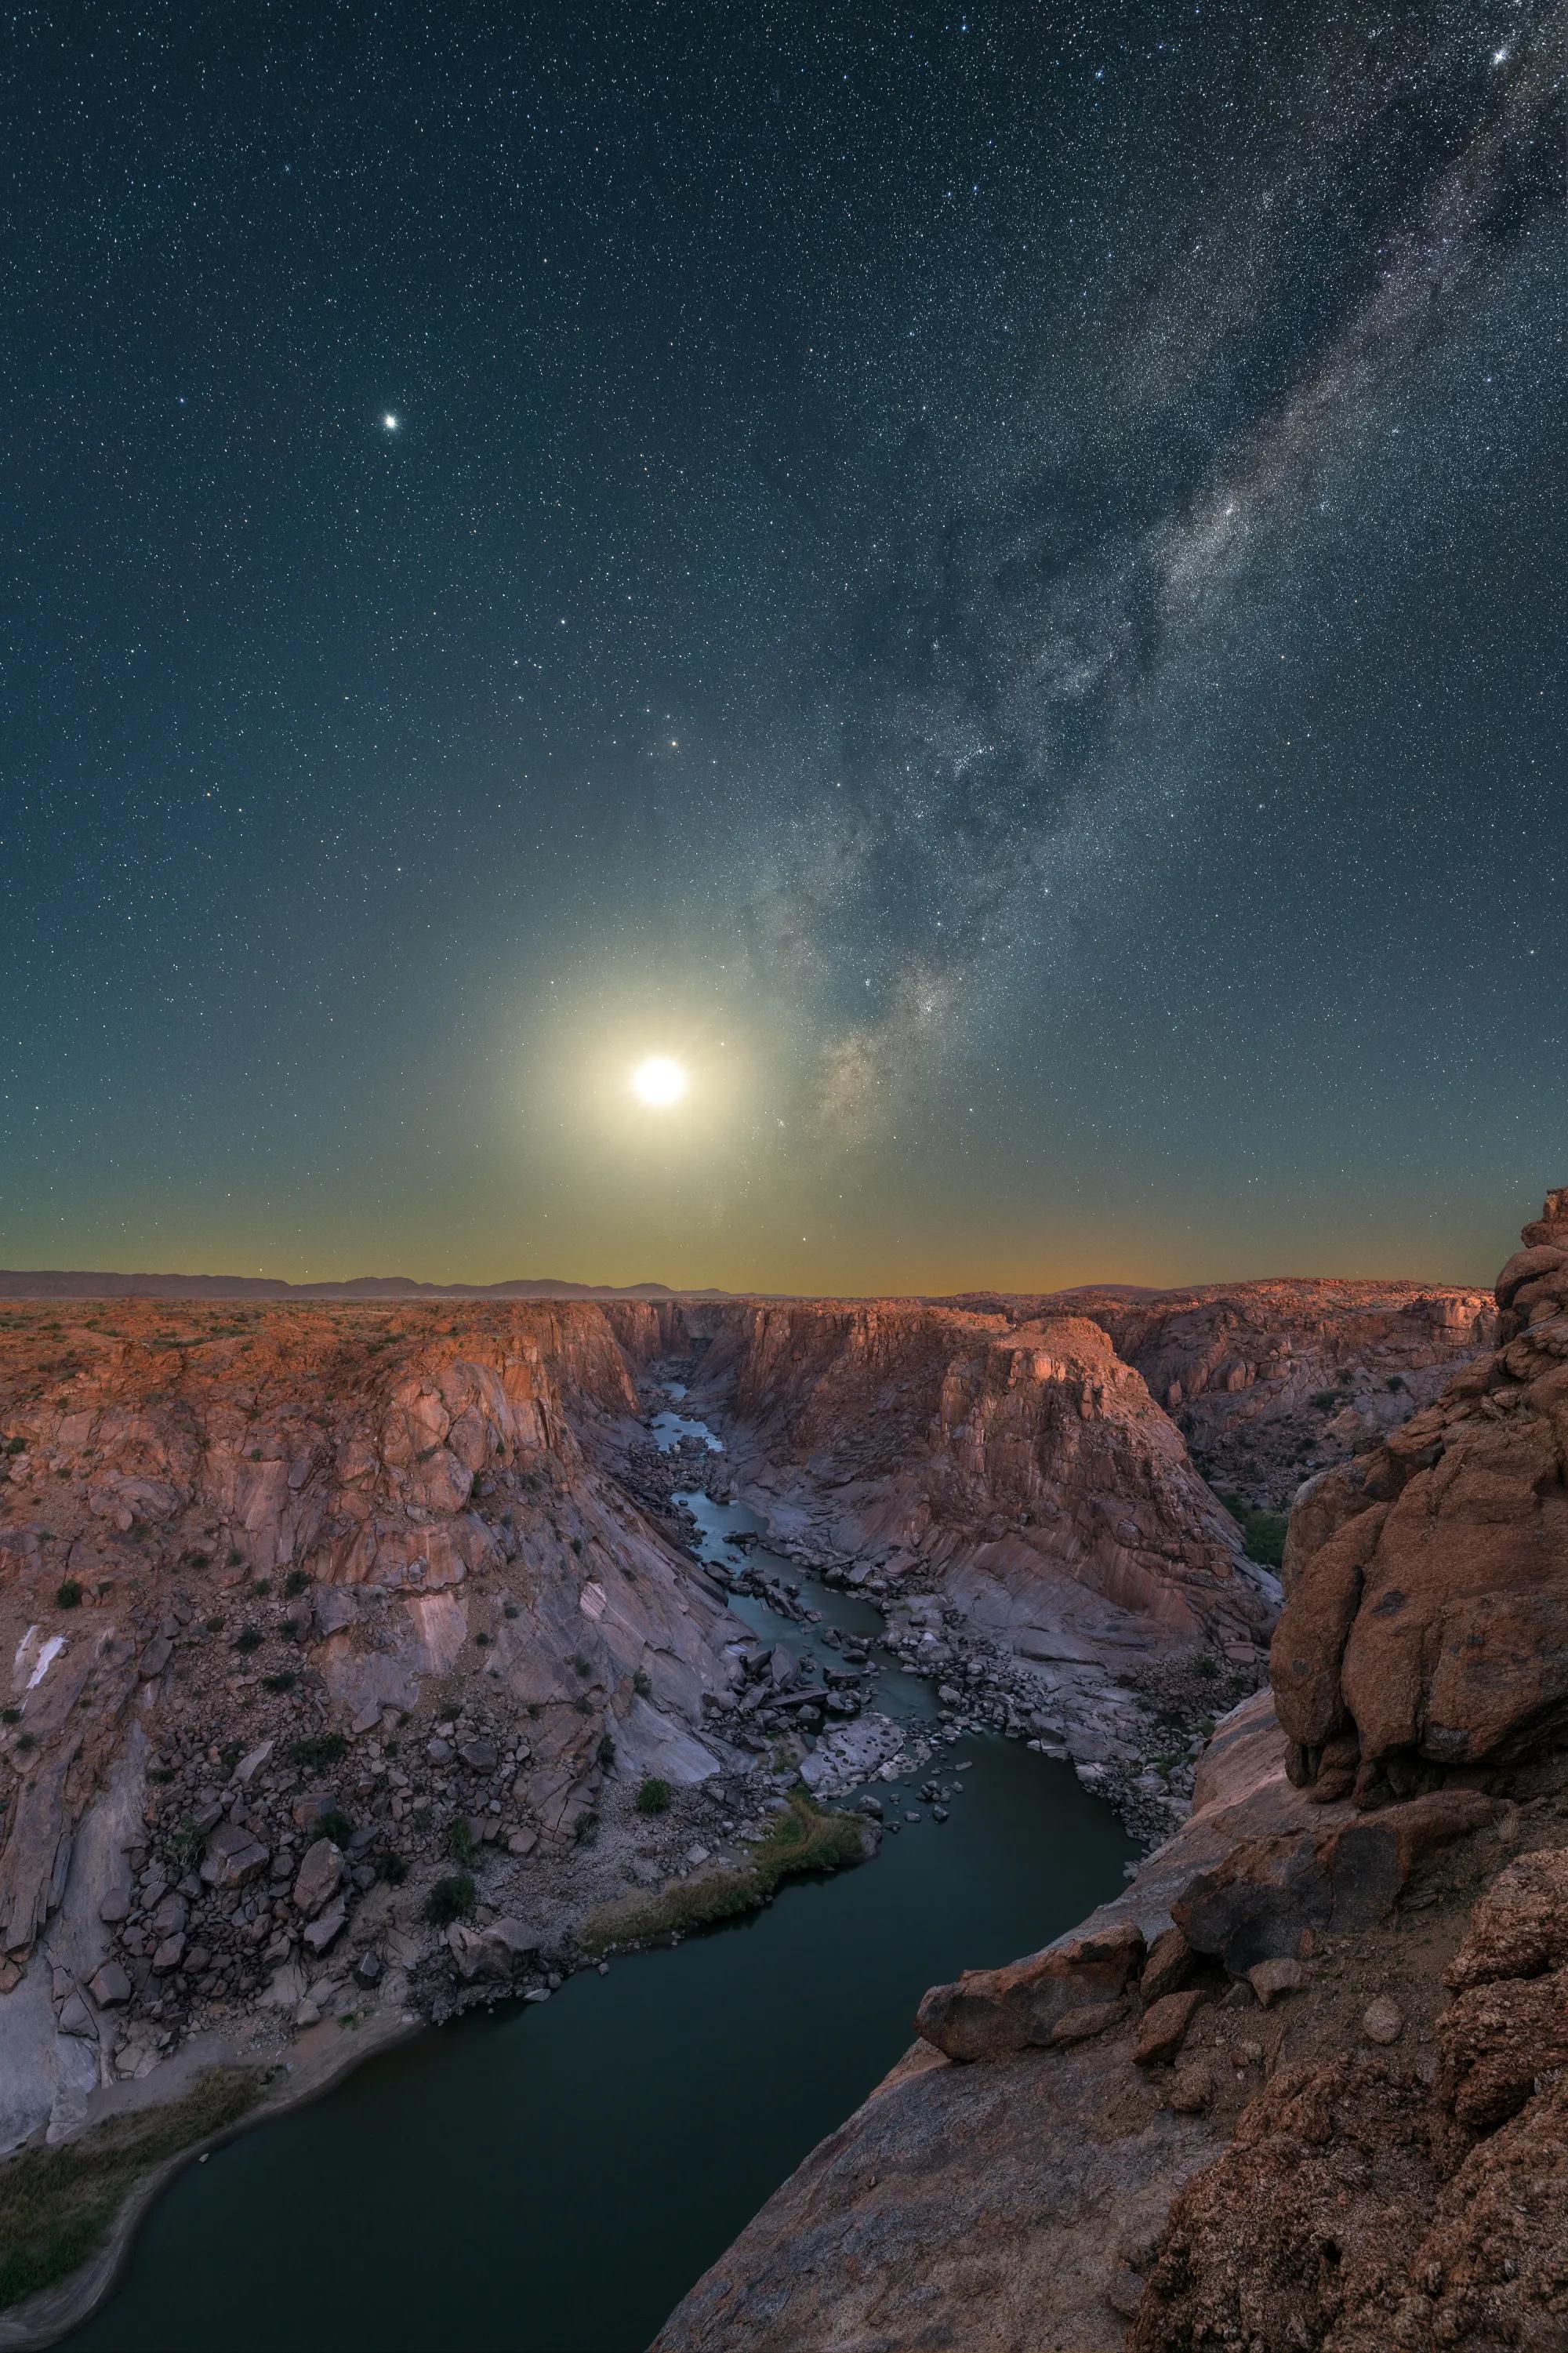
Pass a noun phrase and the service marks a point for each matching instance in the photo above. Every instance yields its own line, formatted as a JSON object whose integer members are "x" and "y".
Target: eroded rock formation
{"x": 1426, "y": 1626}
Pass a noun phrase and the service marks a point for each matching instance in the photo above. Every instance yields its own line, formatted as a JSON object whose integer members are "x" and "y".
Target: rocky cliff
{"x": 305, "y": 1607}
{"x": 1301, "y": 2087}
{"x": 1271, "y": 1381}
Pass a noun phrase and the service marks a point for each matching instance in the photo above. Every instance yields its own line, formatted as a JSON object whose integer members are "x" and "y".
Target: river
{"x": 551, "y": 2179}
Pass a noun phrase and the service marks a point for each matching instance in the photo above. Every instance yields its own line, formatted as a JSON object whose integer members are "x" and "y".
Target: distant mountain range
{"x": 56, "y": 1283}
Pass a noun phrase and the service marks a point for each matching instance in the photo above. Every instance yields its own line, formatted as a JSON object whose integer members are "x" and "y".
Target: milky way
{"x": 992, "y": 583}
{"x": 1016, "y": 627}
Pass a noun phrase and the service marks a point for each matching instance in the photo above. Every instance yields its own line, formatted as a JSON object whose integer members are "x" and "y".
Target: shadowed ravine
{"x": 553, "y": 2179}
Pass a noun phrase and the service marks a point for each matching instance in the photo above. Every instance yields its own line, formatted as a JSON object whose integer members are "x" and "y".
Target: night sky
{"x": 992, "y": 584}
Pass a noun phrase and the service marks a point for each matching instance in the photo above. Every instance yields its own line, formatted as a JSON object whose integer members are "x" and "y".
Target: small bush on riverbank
{"x": 805, "y": 1839}
{"x": 57, "y": 2205}
{"x": 449, "y": 1900}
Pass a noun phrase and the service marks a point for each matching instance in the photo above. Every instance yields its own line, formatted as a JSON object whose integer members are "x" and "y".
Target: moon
{"x": 660, "y": 1081}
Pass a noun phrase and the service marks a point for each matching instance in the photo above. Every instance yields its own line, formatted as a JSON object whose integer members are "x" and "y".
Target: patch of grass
{"x": 654, "y": 1796}
{"x": 808, "y": 1837}
{"x": 295, "y": 1582}
{"x": 57, "y": 2205}
{"x": 335, "y": 1825}
{"x": 449, "y": 1900}
{"x": 461, "y": 1843}
{"x": 283, "y": 1682}
{"x": 68, "y": 1595}
{"x": 587, "y": 1831}
{"x": 249, "y": 1638}
{"x": 392, "y": 1866}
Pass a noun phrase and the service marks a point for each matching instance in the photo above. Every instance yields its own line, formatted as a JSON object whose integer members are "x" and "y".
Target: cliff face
{"x": 1271, "y": 1381}
{"x": 234, "y": 1542}
{"x": 1027, "y": 1464}
{"x": 1301, "y": 2086}
{"x": 1427, "y": 1623}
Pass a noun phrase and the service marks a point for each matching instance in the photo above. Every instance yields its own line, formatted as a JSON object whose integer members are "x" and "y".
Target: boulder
{"x": 1383, "y": 2021}
{"x": 1162, "y": 2028}
{"x": 988, "y": 2013}
{"x": 1255, "y": 1903}
{"x": 234, "y": 1855}
{"x": 1171, "y": 1962}
{"x": 1270, "y": 1979}
{"x": 110, "y": 1986}
{"x": 1519, "y": 1927}
{"x": 320, "y": 1932}
{"x": 319, "y": 1876}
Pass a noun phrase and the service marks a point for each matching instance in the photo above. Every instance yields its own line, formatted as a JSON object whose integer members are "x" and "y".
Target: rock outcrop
{"x": 1426, "y": 1628}
{"x": 1271, "y": 1381}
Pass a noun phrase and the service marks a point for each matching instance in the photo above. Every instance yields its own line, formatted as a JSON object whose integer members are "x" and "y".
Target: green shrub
{"x": 249, "y": 1638}
{"x": 461, "y": 1843}
{"x": 392, "y": 1866}
{"x": 587, "y": 1831}
{"x": 654, "y": 1796}
{"x": 1324, "y": 1400}
{"x": 321, "y": 1748}
{"x": 284, "y": 1681}
{"x": 295, "y": 1582}
{"x": 68, "y": 1594}
{"x": 606, "y": 1749}
{"x": 806, "y": 1839}
{"x": 642, "y": 1684}
{"x": 450, "y": 1899}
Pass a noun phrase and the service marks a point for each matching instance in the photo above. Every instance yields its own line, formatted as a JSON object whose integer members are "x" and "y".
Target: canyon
{"x": 348, "y": 1637}
{"x": 1301, "y": 2084}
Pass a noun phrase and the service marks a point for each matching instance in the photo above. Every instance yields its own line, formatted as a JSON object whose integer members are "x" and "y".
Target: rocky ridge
{"x": 1271, "y": 1381}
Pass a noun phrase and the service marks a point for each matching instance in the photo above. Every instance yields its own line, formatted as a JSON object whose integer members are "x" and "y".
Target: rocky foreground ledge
{"x": 1305, "y": 2084}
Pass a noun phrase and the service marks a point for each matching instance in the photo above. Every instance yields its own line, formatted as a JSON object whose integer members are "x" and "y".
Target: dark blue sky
{"x": 992, "y": 581}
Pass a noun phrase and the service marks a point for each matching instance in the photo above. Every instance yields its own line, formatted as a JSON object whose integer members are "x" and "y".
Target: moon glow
{"x": 659, "y": 1082}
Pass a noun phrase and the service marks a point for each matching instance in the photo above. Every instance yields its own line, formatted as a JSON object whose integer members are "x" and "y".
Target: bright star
{"x": 660, "y": 1081}
{"x": 390, "y": 422}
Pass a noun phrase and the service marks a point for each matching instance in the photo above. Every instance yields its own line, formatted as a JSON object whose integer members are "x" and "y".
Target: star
{"x": 389, "y": 422}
